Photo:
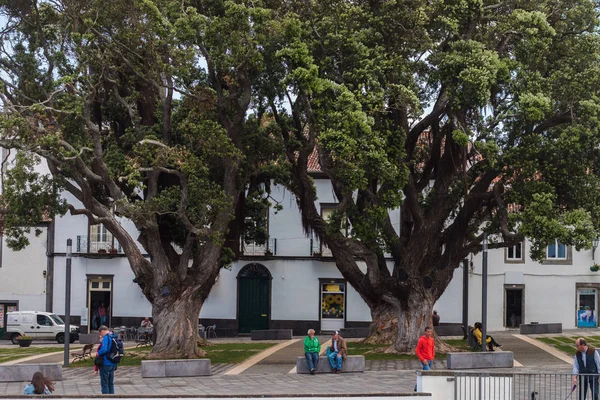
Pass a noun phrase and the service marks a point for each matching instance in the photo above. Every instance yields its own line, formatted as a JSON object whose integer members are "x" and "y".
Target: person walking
{"x": 108, "y": 367}
{"x": 337, "y": 352}
{"x": 102, "y": 314}
{"x": 586, "y": 361}
{"x": 425, "y": 350}
{"x": 312, "y": 347}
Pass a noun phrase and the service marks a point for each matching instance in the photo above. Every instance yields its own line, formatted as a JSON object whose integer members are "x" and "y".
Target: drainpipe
{"x": 50, "y": 266}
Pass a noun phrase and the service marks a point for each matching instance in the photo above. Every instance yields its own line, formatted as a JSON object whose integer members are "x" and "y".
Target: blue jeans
{"x": 427, "y": 366}
{"x": 335, "y": 359}
{"x": 313, "y": 360}
{"x": 107, "y": 379}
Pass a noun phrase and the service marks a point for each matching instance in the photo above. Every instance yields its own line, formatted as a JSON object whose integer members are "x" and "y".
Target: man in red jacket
{"x": 426, "y": 349}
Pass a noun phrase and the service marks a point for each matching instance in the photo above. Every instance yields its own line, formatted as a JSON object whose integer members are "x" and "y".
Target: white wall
{"x": 550, "y": 289}
{"x": 449, "y": 305}
{"x": 294, "y": 291}
{"x": 128, "y": 299}
{"x": 22, "y": 273}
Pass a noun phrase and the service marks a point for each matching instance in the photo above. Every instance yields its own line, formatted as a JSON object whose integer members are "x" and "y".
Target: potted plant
{"x": 268, "y": 252}
{"x": 316, "y": 254}
{"x": 101, "y": 251}
{"x": 595, "y": 268}
{"x": 113, "y": 250}
{"x": 25, "y": 341}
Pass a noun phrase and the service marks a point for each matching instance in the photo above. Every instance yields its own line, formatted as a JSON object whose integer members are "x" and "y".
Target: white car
{"x": 39, "y": 325}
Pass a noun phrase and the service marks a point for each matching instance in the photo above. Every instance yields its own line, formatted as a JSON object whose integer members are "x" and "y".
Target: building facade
{"x": 291, "y": 282}
{"x": 25, "y": 282}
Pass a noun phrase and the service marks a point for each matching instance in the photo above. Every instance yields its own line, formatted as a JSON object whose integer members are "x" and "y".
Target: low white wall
{"x": 442, "y": 386}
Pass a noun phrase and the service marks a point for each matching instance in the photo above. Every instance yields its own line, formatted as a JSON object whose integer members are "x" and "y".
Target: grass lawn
{"x": 373, "y": 351}
{"x": 10, "y": 354}
{"x": 566, "y": 344}
{"x": 224, "y": 353}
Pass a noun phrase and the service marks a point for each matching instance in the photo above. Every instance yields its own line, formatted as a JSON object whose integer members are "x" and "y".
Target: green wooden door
{"x": 253, "y": 304}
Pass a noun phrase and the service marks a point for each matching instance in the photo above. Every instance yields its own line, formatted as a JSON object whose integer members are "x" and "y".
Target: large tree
{"x": 141, "y": 110}
{"x": 471, "y": 116}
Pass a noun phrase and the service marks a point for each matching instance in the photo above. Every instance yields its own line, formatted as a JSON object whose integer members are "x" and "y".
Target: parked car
{"x": 39, "y": 325}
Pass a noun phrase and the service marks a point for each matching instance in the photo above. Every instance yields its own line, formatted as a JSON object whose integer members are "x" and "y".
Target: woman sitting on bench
{"x": 490, "y": 342}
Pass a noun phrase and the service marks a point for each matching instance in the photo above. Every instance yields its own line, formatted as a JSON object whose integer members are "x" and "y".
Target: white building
{"x": 296, "y": 287}
{"x": 560, "y": 289}
{"x": 24, "y": 277}
{"x": 291, "y": 283}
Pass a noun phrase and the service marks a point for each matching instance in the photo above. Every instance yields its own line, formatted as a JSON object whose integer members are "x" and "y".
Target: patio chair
{"x": 211, "y": 330}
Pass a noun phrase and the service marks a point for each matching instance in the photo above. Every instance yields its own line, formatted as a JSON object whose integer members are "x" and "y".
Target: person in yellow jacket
{"x": 490, "y": 342}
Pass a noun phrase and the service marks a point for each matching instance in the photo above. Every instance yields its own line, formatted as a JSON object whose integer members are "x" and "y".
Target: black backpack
{"x": 116, "y": 349}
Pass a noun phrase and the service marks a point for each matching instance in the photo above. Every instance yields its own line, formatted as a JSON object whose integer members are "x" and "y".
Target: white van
{"x": 38, "y": 324}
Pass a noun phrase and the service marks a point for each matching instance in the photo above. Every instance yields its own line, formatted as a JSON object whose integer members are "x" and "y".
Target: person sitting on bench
{"x": 490, "y": 342}
{"x": 312, "y": 347}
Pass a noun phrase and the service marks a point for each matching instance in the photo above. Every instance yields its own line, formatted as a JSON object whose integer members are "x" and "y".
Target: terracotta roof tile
{"x": 313, "y": 161}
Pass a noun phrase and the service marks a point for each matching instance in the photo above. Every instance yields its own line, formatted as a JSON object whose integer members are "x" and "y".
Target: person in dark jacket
{"x": 108, "y": 367}
{"x": 435, "y": 318}
{"x": 586, "y": 361}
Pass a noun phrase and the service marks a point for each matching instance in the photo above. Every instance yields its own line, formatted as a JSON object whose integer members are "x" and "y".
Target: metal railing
{"x": 524, "y": 386}
{"x": 253, "y": 249}
{"x": 87, "y": 246}
{"x": 319, "y": 250}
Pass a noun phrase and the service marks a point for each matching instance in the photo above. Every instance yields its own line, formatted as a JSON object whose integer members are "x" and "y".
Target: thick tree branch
{"x": 558, "y": 119}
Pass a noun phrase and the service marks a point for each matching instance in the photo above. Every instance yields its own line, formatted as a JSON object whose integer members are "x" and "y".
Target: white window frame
{"x": 514, "y": 249}
{"x": 556, "y": 257}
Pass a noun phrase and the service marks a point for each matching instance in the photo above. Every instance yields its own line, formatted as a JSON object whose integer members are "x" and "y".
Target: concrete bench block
{"x": 532, "y": 329}
{"x": 88, "y": 338}
{"x": 480, "y": 360}
{"x": 350, "y": 364}
{"x": 449, "y": 330}
{"x": 172, "y": 368}
{"x": 354, "y": 332}
{"x": 271, "y": 334}
{"x": 24, "y": 372}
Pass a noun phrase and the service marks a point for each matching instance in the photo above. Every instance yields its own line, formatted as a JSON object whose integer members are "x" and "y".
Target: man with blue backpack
{"x": 109, "y": 356}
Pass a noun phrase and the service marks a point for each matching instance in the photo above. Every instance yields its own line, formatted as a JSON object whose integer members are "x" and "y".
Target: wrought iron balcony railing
{"x": 253, "y": 249}
{"x": 87, "y": 246}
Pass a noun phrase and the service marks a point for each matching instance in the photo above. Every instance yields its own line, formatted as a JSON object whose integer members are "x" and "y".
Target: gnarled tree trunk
{"x": 401, "y": 326}
{"x": 175, "y": 319}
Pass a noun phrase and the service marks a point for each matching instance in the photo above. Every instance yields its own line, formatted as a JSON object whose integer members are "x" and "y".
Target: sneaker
{"x": 499, "y": 345}
{"x": 312, "y": 371}
{"x": 335, "y": 370}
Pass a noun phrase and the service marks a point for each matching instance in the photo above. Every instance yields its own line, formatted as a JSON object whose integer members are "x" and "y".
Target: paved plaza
{"x": 275, "y": 376}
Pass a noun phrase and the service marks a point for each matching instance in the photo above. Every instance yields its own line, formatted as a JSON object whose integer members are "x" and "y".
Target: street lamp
{"x": 594, "y": 247}
{"x": 67, "y": 335}
{"x": 484, "y": 276}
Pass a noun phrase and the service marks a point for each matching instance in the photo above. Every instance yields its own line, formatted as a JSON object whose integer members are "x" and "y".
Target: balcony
{"x": 97, "y": 249}
{"x": 317, "y": 249}
{"x": 253, "y": 249}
